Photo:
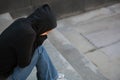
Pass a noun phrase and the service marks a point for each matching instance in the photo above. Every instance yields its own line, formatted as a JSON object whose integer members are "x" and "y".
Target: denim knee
{"x": 41, "y": 49}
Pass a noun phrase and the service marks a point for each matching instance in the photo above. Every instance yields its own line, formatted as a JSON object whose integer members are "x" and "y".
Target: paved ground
{"x": 93, "y": 36}
{"x": 97, "y": 35}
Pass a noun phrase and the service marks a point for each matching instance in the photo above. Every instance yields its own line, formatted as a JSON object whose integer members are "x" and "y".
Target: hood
{"x": 42, "y": 19}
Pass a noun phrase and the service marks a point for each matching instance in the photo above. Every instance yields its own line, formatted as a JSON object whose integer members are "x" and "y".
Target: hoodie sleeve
{"x": 24, "y": 47}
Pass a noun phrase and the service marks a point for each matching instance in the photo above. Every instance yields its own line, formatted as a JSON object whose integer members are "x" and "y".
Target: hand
{"x": 45, "y": 33}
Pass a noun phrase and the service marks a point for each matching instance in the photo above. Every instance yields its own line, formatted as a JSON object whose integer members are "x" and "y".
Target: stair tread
{"x": 78, "y": 60}
{"x": 60, "y": 63}
{"x": 5, "y": 21}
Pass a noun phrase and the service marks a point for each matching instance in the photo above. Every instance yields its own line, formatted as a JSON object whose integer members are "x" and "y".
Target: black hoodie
{"x": 22, "y": 37}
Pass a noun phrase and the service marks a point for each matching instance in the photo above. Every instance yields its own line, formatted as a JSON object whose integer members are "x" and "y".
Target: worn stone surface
{"x": 79, "y": 62}
{"x": 109, "y": 67}
{"x": 62, "y": 8}
{"x": 77, "y": 39}
{"x": 8, "y": 5}
{"x": 99, "y": 24}
{"x": 5, "y": 21}
{"x": 101, "y": 29}
{"x": 105, "y": 37}
{"x": 32, "y": 76}
{"x": 113, "y": 51}
{"x": 61, "y": 64}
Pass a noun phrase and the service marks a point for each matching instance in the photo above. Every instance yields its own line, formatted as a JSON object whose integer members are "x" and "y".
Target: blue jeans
{"x": 44, "y": 66}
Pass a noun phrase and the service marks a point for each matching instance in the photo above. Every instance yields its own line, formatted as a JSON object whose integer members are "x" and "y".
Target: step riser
{"x": 79, "y": 62}
{"x": 61, "y": 63}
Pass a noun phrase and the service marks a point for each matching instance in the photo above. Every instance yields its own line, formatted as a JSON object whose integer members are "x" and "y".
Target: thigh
{"x": 45, "y": 67}
{"x": 23, "y": 73}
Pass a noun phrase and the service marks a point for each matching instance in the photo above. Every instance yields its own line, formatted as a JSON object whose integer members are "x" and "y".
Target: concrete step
{"x": 98, "y": 27}
{"x": 60, "y": 63}
{"x": 83, "y": 21}
{"x": 5, "y": 21}
{"x": 104, "y": 35}
{"x": 77, "y": 39}
{"x": 32, "y": 76}
{"x": 78, "y": 60}
{"x": 100, "y": 33}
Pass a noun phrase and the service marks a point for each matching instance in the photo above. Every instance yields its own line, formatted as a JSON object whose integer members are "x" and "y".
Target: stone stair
{"x": 5, "y": 21}
{"x": 61, "y": 64}
{"x": 78, "y": 60}
{"x": 96, "y": 34}
{"x": 66, "y": 55}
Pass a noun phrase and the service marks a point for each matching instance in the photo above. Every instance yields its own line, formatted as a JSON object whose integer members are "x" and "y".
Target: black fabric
{"x": 43, "y": 19}
{"x": 39, "y": 41}
{"x": 19, "y": 41}
{"x": 16, "y": 44}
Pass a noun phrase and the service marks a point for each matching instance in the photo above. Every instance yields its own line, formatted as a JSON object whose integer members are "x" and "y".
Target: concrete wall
{"x": 62, "y": 8}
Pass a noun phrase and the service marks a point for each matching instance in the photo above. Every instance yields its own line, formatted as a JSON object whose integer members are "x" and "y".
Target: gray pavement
{"x": 97, "y": 33}
{"x": 79, "y": 62}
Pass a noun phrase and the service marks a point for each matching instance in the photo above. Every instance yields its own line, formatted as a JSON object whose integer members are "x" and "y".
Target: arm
{"x": 24, "y": 51}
